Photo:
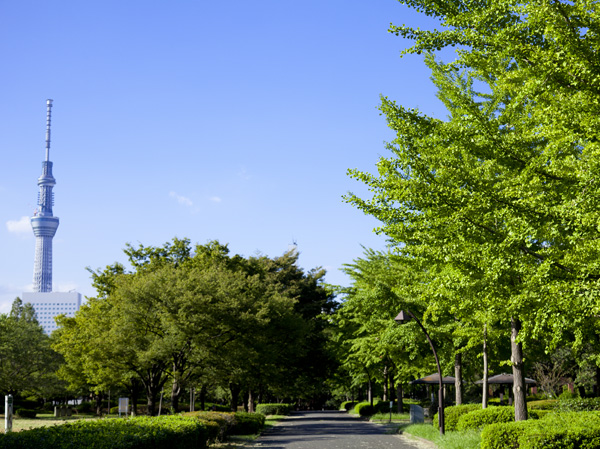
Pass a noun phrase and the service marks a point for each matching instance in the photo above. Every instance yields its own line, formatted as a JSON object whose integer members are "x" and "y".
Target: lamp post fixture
{"x": 403, "y": 317}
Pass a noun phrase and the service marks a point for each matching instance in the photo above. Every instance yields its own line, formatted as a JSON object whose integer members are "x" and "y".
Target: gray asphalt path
{"x": 332, "y": 430}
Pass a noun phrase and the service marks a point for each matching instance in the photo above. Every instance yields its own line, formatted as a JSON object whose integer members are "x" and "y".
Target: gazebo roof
{"x": 505, "y": 379}
{"x": 433, "y": 379}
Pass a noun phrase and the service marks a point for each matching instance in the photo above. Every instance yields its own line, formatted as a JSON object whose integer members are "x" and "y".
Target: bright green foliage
{"x": 135, "y": 433}
{"x": 500, "y": 202}
{"x": 453, "y": 413}
{"x": 480, "y": 418}
{"x": 274, "y": 409}
{"x": 364, "y": 409}
{"x": 569, "y": 430}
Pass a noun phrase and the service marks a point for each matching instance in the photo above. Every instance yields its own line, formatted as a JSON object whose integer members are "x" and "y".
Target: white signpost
{"x": 123, "y": 406}
{"x": 8, "y": 413}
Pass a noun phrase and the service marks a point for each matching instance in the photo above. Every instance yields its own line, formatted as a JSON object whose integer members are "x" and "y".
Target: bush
{"x": 274, "y": 409}
{"x": 568, "y": 430}
{"x": 453, "y": 413}
{"x": 84, "y": 407}
{"x": 578, "y": 405}
{"x": 348, "y": 405}
{"x": 209, "y": 406}
{"x": 545, "y": 404}
{"x": 503, "y": 435}
{"x": 164, "y": 432}
{"x": 25, "y": 413}
{"x": 247, "y": 423}
{"x": 224, "y": 422}
{"x": 478, "y": 419}
{"x": 364, "y": 409}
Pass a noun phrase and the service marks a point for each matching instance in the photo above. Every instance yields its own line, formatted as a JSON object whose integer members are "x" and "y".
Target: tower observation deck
{"x": 44, "y": 224}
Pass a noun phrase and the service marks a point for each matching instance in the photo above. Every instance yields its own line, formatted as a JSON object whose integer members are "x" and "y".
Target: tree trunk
{"x": 250, "y": 401}
{"x": 134, "y": 391}
{"x": 484, "y": 400}
{"x": 235, "y": 395}
{"x": 519, "y": 392}
{"x": 458, "y": 378}
{"x": 399, "y": 394}
{"x": 98, "y": 399}
{"x": 370, "y": 393}
{"x": 385, "y": 383}
{"x": 175, "y": 393}
{"x": 597, "y": 386}
{"x": 203, "y": 397}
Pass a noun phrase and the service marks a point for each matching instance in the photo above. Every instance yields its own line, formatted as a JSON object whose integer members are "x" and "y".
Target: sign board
{"x": 417, "y": 414}
{"x": 8, "y": 413}
{"x": 123, "y": 406}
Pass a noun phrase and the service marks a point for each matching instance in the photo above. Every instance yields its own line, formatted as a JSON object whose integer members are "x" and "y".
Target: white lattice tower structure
{"x": 44, "y": 224}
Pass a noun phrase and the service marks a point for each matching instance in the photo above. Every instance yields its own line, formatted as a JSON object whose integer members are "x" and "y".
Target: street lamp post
{"x": 404, "y": 316}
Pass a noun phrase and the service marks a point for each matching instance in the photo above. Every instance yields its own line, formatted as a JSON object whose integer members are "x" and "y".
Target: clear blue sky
{"x": 227, "y": 120}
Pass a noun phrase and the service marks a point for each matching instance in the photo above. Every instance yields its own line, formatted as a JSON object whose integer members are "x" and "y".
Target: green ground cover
{"x": 467, "y": 439}
{"x": 42, "y": 420}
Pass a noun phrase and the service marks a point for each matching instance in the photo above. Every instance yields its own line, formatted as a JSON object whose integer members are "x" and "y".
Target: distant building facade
{"x": 48, "y": 305}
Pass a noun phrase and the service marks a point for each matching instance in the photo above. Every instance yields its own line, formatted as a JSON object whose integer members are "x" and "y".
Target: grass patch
{"x": 43, "y": 420}
{"x": 386, "y": 417}
{"x": 466, "y": 439}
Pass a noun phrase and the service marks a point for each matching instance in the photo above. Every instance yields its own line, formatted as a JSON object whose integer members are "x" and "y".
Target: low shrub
{"x": 274, "y": 409}
{"x": 224, "y": 423}
{"x": 247, "y": 423}
{"x": 84, "y": 407}
{"x": 545, "y": 404}
{"x": 567, "y": 430}
{"x": 578, "y": 405}
{"x": 164, "y": 432}
{"x": 503, "y": 435}
{"x": 209, "y": 406}
{"x": 348, "y": 405}
{"x": 25, "y": 413}
{"x": 453, "y": 413}
{"x": 478, "y": 419}
{"x": 364, "y": 409}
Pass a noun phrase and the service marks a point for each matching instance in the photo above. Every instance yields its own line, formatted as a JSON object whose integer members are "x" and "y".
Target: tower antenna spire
{"x": 48, "y": 123}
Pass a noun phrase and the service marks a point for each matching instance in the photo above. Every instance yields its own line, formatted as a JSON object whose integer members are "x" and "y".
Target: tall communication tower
{"x": 44, "y": 224}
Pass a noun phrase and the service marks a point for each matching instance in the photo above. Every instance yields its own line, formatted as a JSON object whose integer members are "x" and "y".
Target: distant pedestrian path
{"x": 331, "y": 430}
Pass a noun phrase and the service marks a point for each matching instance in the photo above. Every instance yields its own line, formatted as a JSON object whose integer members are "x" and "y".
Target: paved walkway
{"x": 332, "y": 430}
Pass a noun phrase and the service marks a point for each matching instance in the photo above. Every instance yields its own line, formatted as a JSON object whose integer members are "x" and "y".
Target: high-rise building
{"x": 47, "y": 304}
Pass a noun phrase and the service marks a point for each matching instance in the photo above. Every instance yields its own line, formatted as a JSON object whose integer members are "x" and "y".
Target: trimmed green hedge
{"x": 164, "y": 432}
{"x": 219, "y": 424}
{"x": 578, "y": 405}
{"x": 544, "y": 404}
{"x": 348, "y": 405}
{"x": 557, "y": 431}
{"x": 247, "y": 423}
{"x": 364, "y": 409}
{"x": 478, "y": 419}
{"x": 25, "y": 413}
{"x": 274, "y": 409}
{"x": 452, "y": 415}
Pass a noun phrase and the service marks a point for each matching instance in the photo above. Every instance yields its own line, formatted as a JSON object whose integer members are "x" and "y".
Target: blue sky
{"x": 212, "y": 120}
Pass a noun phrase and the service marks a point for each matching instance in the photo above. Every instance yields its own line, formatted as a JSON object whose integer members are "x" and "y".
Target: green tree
{"x": 503, "y": 191}
{"x": 26, "y": 359}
